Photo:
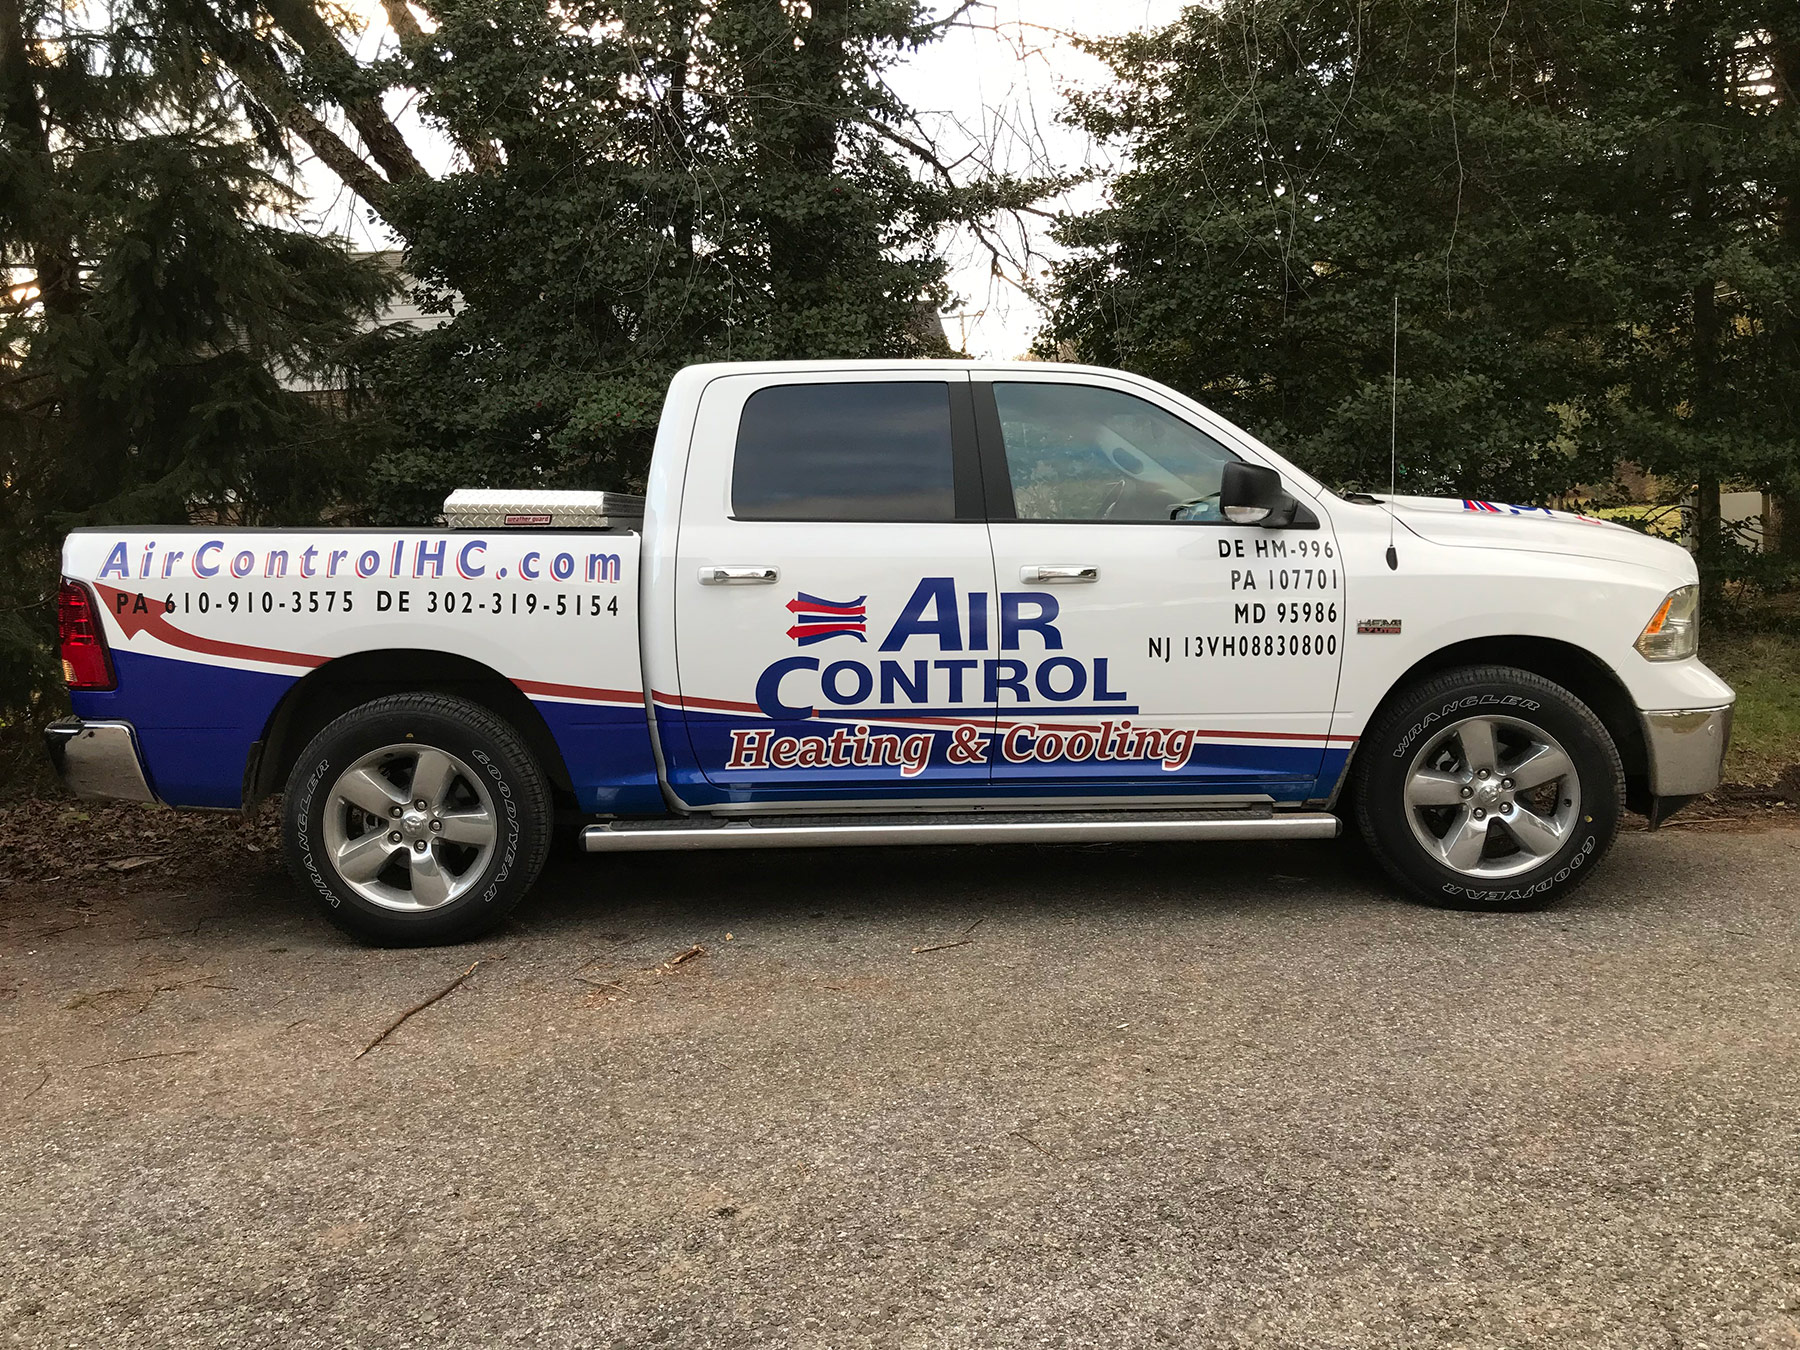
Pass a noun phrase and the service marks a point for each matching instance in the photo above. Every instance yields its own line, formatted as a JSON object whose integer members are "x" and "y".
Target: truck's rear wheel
{"x": 417, "y": 819}
{"x": 1488, "y": 788}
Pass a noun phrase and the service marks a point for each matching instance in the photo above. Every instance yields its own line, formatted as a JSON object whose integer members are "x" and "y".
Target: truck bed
{"x": 211, "y": 629}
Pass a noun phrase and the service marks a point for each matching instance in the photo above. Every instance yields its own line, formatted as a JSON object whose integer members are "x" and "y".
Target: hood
{"x": 1467, "y": 523}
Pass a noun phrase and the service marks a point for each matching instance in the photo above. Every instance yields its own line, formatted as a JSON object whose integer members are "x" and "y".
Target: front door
{"x": 833, "y": 592}
{"x": 1173, "y": 652}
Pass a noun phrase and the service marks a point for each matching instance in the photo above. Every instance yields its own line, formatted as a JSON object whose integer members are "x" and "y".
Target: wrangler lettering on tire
{"x": 1488, "y": 788}
{"x": 417, "y": 818}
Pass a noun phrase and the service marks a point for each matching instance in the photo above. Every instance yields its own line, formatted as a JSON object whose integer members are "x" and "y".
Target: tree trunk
{"x": 1708, "y": 526}
{"x": 798, "y": 90}
{"x": 1781, "y": 526}
{"x": 1699, "y": 67}
{"x": 1707, "y": 537}
{"x": 674, "y": 116}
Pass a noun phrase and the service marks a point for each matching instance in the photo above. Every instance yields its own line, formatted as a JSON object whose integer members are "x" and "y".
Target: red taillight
{"x": 86, "y": 662}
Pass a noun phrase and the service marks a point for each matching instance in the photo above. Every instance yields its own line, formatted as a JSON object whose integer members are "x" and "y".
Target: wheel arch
{"x": 1574, "y": 668}
{"x": 350, "y": 681}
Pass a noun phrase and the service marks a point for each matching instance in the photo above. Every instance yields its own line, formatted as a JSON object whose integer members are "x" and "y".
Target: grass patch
{"x": 1764, "y": 668}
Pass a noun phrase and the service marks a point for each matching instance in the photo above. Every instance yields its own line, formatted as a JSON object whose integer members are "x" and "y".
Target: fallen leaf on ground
{"x": 133, "y": 864}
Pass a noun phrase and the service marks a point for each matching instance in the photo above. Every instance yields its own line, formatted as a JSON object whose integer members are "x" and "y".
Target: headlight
{"x": 1674, "y": 630}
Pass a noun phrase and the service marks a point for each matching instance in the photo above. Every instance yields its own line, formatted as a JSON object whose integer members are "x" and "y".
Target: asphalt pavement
{"x": 1194, "y": 1096}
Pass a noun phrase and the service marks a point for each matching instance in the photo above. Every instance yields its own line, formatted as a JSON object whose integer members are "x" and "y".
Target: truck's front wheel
{"x": 1488, "y": 788}
{"x": 417, "y": 819}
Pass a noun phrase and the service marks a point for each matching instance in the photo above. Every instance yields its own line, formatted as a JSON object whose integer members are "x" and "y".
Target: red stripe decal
{"x": 139, "y": 614}
{"x": 580, "y": 691}
{"x": 1212, "y": 735}
{"x": 153, "y": 619}
{"x": 820, "y": 607}
{"x": 715, "y": 704}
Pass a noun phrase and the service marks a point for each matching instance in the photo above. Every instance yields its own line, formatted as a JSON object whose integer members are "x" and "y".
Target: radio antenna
{"x": 1393, "y": 558}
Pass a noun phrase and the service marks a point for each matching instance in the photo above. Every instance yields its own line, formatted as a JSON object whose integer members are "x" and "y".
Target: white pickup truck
{"x": 891, "y": 603}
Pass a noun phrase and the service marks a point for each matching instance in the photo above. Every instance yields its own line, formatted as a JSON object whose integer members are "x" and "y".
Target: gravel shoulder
{"x": 1109, "y": 1096}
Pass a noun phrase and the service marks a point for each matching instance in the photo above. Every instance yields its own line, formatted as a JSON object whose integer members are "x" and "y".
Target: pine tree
{"x": 1585, "y": 210}
{"x": 1704, "y": 342}
{"x": 1292, "y": 169}
{"x": 640, "y": 184}
{"x": 157, "y": 298}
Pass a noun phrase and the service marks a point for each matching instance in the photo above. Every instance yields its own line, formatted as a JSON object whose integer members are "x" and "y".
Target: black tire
{"x": 1404, "y": 733}
{"x": 511, "y": 796}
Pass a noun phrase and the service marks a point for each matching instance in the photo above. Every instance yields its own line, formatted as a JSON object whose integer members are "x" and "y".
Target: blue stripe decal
{"x": 197, "y": 722}
{"x": 893, "y": 712}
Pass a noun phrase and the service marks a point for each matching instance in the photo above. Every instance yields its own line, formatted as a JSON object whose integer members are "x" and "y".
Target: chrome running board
{"x": 1083, "y": 827}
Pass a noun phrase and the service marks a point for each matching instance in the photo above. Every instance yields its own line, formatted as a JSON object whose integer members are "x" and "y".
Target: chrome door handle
{"x": 1059, "y": 572}
{"x": 739, "y": 576}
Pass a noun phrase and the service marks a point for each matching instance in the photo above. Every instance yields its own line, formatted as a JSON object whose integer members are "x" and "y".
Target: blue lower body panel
{"x": 717, "y": 758}
{"x": 608, "y": 754}
{"x": 196, "y": 724}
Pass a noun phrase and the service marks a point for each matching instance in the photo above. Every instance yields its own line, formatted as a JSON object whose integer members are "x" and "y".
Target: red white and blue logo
{"x": 816, "y": 620}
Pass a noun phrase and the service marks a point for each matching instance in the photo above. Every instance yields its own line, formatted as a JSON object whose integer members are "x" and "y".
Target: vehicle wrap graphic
{"x": 960, "y": 677}
{"x": 961, "y": 680}
{"x": 957, "y": 754}
{"x": 943, "y": 686}
{"x": 211, "y": 633}
{"x": 815, "y": 620}
{"x": 198, "y": 719}
{"x": 391, "y": 558}
{"x": 1508, "y": 509}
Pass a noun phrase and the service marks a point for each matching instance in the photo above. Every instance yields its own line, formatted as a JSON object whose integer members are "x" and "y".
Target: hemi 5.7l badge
{"x": 1378, "y": 625}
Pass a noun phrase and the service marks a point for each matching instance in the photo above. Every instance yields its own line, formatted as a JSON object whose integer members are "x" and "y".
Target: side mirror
{"x": 1251, "y": 494}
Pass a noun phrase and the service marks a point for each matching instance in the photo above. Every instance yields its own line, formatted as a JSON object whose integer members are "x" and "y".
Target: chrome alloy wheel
{"x": 1492, "y": 796}
{"x": 409, "y": 827}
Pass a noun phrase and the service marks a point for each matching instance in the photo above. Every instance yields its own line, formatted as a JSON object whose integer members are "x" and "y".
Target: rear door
{"x": 1172, "y": 651}
{"x": 833, "y": 591}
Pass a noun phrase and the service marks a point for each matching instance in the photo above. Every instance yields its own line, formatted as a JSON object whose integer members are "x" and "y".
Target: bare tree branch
{"x": 481, "y": 152}
{"x": 358, "y": 175}
{"x": 400, "y": 19}
{"x": 303, "y": 23}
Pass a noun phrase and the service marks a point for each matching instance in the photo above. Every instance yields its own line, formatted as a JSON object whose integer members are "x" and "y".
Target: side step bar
{"x": 1087, "y": 827}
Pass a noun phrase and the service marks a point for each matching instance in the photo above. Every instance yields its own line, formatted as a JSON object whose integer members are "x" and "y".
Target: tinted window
{"x": 845, "y": 452}
{"x": 1076, "y": 452}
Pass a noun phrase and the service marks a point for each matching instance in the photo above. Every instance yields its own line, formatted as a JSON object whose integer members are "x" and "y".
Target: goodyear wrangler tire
{"x": 417, "y": 819}
{"x": 1488, "y": 788}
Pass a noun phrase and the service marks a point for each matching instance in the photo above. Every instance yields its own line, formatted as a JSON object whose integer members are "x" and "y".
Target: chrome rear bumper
{"x": 98, "y": 759}
{"x": 1687, "y": 749}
